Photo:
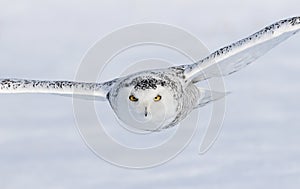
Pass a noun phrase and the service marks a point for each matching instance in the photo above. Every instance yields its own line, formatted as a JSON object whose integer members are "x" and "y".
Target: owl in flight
{"x": 160, "y": 98}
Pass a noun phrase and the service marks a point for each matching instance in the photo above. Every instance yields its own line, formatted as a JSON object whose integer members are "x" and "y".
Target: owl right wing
{"x": 97, "y": 91}
{"x": 234, "y": 57}
{"x": 207, "y": 96}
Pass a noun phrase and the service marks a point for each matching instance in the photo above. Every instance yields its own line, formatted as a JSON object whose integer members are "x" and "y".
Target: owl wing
{"x": 207, "y": 96}
{"x": 97, "y": 91}
{"x": 234, "y": 57}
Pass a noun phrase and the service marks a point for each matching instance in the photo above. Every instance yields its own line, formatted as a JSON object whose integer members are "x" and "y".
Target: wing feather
{"x": 96, "y": 91}
{"x": 232, "y": 58}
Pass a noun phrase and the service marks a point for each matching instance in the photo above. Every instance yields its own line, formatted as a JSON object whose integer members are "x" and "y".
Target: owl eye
{"x": 157, "y": 98}
{"x": 133, "y": 98}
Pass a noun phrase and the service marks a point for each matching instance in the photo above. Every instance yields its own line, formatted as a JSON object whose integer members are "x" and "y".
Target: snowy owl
{"x": 161, "y": 98}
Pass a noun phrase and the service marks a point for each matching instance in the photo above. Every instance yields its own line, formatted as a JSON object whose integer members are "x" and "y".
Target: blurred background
{"x": 40, "y": 146}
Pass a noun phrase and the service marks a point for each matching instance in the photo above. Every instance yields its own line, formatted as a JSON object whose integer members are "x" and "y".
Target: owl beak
{"x": 146, "y": 112}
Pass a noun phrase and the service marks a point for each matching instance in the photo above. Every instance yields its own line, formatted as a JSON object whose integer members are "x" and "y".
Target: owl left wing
{"x": 84, "y": 90}
{"x": 232, "y": 58}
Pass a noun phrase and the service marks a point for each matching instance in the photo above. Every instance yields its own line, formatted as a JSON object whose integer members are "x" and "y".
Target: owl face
{"x": 145, "y": 104}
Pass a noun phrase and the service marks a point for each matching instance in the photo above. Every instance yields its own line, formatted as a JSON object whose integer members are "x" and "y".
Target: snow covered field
{"x": 40, "y": 146}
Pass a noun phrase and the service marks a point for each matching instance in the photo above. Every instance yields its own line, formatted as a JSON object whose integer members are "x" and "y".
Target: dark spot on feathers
{"x": 149, "y": 83}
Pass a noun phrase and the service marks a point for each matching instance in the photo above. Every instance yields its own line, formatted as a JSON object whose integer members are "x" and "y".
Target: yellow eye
{"x": 132, "y": 98}
{"x": 157, "y": 98}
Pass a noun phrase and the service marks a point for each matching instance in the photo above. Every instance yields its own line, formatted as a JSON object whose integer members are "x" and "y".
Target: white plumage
{"x": 157, "y": 99}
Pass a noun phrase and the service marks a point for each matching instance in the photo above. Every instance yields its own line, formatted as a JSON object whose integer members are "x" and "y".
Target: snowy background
{"x": 40, "y": 146}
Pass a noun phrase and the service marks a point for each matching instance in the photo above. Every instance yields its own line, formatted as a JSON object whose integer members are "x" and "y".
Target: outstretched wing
{"x": 232, "y": 58}
{"x": 97, "y": 91}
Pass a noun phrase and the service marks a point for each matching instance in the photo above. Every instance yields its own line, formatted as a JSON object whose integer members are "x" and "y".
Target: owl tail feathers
{"x": 206, "y": 96}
